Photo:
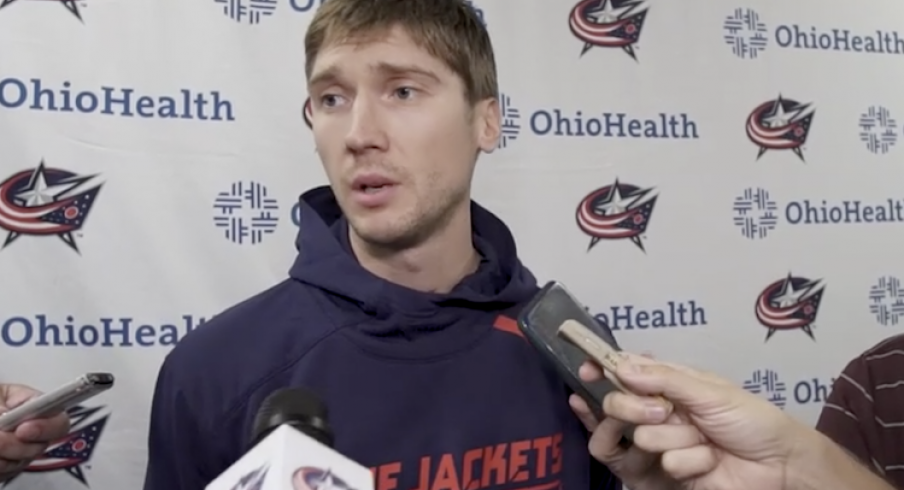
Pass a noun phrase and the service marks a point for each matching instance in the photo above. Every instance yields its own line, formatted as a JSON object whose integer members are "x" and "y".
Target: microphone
{"x": 291, "y": 449}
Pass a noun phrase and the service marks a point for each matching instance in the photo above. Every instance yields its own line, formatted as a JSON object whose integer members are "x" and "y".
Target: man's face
{"x": 397, "y": 137}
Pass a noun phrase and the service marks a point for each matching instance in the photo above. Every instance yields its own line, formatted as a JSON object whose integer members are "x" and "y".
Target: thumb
{"x": 681, "y": 386}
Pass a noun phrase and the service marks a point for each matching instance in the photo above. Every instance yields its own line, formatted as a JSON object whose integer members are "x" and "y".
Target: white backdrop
{"x": 187, "y": 119}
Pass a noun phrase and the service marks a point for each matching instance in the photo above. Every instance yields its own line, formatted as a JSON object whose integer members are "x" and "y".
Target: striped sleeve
{"x": 847, "y": 416}
{"x": 863, "y": 413}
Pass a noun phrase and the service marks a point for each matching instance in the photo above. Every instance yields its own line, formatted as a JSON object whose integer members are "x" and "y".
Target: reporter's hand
{"x": 31, "y": 438}
{"x": 637, "y": 468}
{"x": 720, "y": 438}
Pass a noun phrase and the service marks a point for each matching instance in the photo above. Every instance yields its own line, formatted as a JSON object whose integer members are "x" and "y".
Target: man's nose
{"x": 366, "y": 131}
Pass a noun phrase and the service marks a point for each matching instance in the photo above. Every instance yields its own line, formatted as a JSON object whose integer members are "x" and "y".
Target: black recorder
{"x": 540, "y": 321}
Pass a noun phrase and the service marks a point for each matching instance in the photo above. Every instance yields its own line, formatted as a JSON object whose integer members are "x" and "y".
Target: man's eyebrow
{"x": 329, "y": 75}
{"x": 332, "y": 74}
{"x": 391, "y": 69}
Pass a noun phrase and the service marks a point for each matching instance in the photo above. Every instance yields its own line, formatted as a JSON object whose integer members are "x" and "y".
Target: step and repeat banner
{"x": 720, "y": 182}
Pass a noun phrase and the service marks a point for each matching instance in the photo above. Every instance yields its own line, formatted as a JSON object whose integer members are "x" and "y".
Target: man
{"x": 719, "y": 437}
{"x": 398, "y": 309}
{"x": 30, "y": 439}
{"x": 865, "y": 411}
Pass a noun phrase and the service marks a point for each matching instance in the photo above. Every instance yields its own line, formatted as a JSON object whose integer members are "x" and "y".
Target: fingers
{"x": 15, "y": 395}
{"x": 680, "y": 386}
{"x": 606, "y": 436}
{"x": 635, "y": 410}
{"x": 605, "y": 441}
{"x": 663, "y": 438}
{"x": 580, "y": 408}
{"x": 684, "y": 464}
{"x": 43, "y": 430}
{"x": 14, "y": 450}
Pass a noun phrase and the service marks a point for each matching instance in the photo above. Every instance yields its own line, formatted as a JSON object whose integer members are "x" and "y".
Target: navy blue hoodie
{"x": 431, "y": 391}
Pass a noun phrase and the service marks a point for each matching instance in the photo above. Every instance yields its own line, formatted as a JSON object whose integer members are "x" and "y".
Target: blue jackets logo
{"x": 71, "y": 453}
{"x": 608, "y": 24}
{"x": 45, "y": 201}
{"x": 616, "y": 212}
{"x": 253, "y": 480}
{"x": 70, "y": 5}
{"x": 791, "y": 303}
{"x": 311, "y": 478}
{"x": 780, "y": 124}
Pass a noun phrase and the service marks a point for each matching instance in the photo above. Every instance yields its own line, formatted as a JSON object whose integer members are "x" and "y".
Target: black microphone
{"x": 296, "y": 407}
{"x": 291, "y": 448}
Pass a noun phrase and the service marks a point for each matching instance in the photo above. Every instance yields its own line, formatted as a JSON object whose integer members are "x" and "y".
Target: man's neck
{"x": 437, "y": 265}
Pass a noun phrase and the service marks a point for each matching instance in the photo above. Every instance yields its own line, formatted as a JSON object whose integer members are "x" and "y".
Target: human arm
{"x": 725, "y": 437}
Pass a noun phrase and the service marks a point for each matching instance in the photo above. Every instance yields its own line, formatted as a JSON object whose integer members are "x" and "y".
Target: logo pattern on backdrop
{"x": 745, "y": 33}
{"x": 246, "y": 213}
{"x": 886, "y": 300}
{"x": 791, "y": 303}
{"x": 247, "y": 11}
{"x": 72, "y": 453}
{"x": 780, "y": 124}
{"x": 878, "y": 130}
{"x": 616, "y": 212}
{"x": 608, "y": 24}
{"x": 44, "y": 201}
{"x": 71, "y": 5}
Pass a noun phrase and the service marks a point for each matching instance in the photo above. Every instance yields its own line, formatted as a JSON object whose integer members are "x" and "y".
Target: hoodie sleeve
{"x": 180, "y": 453}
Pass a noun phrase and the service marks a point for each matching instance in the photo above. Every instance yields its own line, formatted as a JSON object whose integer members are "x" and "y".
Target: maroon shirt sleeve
{"x": 847, "y": 416}
{"x": 864, "y": 413}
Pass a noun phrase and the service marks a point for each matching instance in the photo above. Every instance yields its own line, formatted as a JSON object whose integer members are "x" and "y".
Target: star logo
{"x": 780, "y": 124}
{"x": 73, "y": 452}
{"x": 791, "y": 303}
{"x": 616, "y": 212}
{"x": 608, "y": 24}
{"x": 45, "y": 202}
{"x": 70, "y": 5}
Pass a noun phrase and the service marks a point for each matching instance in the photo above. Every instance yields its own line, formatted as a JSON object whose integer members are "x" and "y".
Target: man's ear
{"x": 487, "y": 124}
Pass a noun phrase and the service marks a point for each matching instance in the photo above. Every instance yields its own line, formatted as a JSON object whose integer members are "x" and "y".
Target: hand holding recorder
{"x": 30, "y": 439}
{"x": 719, "y": 437}
{"x": 661, "y": 426}
{"x": 30, "y": 420}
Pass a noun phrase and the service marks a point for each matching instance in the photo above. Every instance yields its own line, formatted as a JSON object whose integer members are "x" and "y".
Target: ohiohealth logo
{"x": 886, "y": 300}
{"x": 768, "y": 384}
{"x": 511, "y": 121}
{"x": 246, "y": 213}
{"x": 756, "y": 213}
{"x": 247, "y": 11}
{"x": 878, "y": 129}
{"x": 35, "y": 94}
{"x": 560, "y": 122}
{"x": 670, "y": 314}
{"x": 252, "y": 12}
{"x": 748, "y": 36}
{"x": 745, "y": 33}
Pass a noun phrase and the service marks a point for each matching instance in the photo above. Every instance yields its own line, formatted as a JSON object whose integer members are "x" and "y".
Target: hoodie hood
{"x": 326, "y": 261}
